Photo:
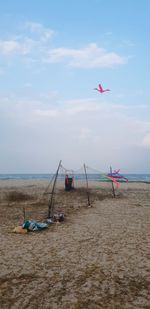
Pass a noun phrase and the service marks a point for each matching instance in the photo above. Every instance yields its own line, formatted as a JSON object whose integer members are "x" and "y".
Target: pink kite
{"x": 115, "y": 174}
{"x": 100, "y": 89}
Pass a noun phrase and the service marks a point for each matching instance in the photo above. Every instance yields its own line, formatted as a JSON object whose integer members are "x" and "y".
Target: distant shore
{"x": 91, "y": 177}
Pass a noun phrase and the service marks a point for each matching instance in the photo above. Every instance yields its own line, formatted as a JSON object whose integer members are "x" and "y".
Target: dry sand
{"x": 98, "y": 258}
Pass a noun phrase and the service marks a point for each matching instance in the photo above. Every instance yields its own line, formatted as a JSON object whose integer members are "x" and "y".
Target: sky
{"x": 53, "y": 53}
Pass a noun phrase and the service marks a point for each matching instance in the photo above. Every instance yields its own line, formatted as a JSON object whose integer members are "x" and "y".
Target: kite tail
{"x": 114, "y": 180}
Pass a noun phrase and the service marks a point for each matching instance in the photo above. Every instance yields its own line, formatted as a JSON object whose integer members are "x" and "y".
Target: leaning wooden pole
{"x": 113, "y": 189}
{"x": 50, "y": 204}
{"x": 87, "y": 186}
{"x": 24, "y": 213}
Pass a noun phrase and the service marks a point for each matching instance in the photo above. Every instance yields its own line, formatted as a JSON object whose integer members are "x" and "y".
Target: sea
{"x": 92, "y": 177}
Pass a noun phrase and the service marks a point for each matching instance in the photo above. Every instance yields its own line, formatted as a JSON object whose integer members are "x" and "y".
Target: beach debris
{"x": 20, "y": 230}
{"x": 32, "y": 225}
{"x": 56, "y": 218}
{"x": 49, "y": 221}
{"x": 59, "y": 217}
{"x": 100, "y": 89}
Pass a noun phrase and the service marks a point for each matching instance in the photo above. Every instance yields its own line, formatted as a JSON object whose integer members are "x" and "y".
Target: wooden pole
{"x": 87, "y": 186}
{"x": 50, "y": 204}
{"x": 24, "y": 213}
{"x": 113, "y": 189}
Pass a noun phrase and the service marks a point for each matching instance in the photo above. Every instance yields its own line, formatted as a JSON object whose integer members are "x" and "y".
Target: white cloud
{"x": 91, "y": 105}
{"x": 43, "y": 127}
{"x": 32, "y": 38}
{"x": 140, "y": 126}
{"x": 146, "y": 140}
{"x": 85, "y": 133}
{"x": 39, "y": 29}
{"x": 46, "y": 113}
{"x": 15, "y": 46}
{"x": 34, "y": 42}
{"x": 89, "y": 57}
{"x": 9, "y": 47}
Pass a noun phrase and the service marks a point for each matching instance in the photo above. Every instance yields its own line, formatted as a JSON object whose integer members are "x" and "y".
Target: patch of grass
{"x": 15, "y": 196}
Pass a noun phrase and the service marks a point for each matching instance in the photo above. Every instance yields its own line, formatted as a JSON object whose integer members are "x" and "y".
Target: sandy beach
{"x": 99, "y": 257}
